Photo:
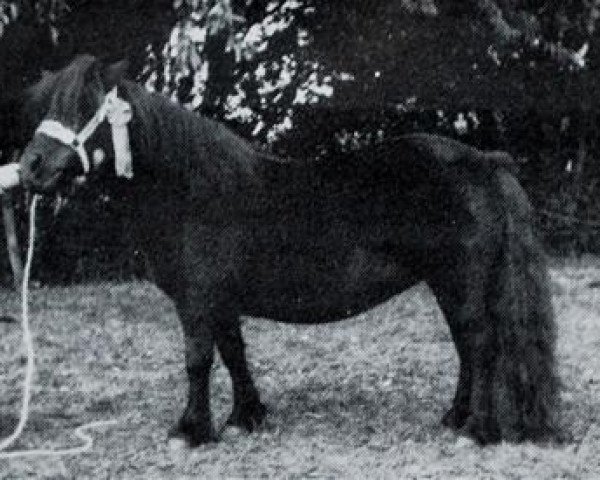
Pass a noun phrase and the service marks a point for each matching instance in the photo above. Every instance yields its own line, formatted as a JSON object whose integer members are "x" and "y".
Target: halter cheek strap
{"x": 65, "y": 135}
{"x": 118, "y": 113}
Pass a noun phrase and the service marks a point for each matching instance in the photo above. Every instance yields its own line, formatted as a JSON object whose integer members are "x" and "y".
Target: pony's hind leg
{"x": 461, "y": 293}
{"x": 248, "y": 412}
{"x": 458, "y": 312}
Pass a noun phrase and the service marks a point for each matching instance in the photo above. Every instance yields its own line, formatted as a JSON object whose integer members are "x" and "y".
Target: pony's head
{"x": 73, "y": 137}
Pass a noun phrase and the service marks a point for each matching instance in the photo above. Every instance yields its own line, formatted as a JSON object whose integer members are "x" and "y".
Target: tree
{"x": 306, "y": 78}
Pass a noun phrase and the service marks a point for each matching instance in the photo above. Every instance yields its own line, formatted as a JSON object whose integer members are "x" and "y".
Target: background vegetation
{"x": 307, "y": 79}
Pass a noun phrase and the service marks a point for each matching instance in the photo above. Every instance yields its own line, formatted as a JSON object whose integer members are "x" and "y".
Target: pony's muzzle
{"x": 35, "y": 161}
{"x": 30, "y": 165}
{"x": 47, "y": 175}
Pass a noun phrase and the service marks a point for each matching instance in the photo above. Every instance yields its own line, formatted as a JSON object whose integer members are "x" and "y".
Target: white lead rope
{"x": 27, "y": 340}
{"x": 30, "y": 368}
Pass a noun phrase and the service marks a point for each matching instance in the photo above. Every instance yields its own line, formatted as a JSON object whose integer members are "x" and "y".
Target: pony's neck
{"x": 184, "y": 150}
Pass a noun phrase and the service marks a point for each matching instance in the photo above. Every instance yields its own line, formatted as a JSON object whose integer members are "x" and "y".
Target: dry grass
{"x": 357, "y": 399}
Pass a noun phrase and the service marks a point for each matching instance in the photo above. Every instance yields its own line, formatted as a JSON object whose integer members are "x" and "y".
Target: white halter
{"x": 118, "y": 113}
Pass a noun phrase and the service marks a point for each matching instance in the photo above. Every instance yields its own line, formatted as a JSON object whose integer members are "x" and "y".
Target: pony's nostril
{"x": 36, "y": 161}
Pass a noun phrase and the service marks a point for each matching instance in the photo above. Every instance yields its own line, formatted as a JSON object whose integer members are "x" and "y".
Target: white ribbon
{"x": 118, "y": 113}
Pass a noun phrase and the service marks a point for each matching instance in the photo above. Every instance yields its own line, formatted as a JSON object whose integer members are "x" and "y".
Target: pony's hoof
{"x": 184, "y": 435}
{"x": 250, "y": 417}
{"x": 480, "y": 431}
{"x": 454, "y": 418}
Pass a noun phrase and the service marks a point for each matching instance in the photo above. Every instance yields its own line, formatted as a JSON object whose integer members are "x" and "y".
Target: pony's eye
{"x": 87, "y": 105}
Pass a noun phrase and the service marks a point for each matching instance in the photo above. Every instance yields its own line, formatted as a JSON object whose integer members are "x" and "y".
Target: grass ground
{"x": 357, "y": 399}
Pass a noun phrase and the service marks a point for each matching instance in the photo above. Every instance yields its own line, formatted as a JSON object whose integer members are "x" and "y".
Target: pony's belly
{"x": 289, "y": 308}
{"x": 305, "y": 291}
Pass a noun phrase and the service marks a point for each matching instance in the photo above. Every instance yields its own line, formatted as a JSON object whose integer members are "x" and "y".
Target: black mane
{"x": 169, "y": 140}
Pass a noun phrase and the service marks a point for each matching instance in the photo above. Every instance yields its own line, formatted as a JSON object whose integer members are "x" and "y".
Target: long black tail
{"x": 525, "y": 384}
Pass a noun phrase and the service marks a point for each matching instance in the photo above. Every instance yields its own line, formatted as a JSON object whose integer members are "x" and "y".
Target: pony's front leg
{"x": 248, "y": 412}
{"x": 195, "y": 425}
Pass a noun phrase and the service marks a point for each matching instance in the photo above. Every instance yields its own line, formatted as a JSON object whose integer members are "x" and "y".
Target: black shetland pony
{"x": 231, "y": 232}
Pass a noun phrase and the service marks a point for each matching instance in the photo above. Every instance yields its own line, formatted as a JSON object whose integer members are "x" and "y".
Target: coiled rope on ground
{"x": 80, "y": 432}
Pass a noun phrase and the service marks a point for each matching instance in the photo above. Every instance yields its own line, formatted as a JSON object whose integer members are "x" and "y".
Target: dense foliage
{"x": 306, "y": 78}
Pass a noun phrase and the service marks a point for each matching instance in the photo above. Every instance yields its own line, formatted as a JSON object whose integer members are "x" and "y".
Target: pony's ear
{"x": 114, "y": 73}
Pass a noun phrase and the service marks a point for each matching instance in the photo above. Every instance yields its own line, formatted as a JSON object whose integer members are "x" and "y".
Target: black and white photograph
{"x": 300, "y": 239}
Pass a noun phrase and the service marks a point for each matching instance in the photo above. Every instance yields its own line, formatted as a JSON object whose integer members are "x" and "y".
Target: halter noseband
{"x": 118, "y": 113}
